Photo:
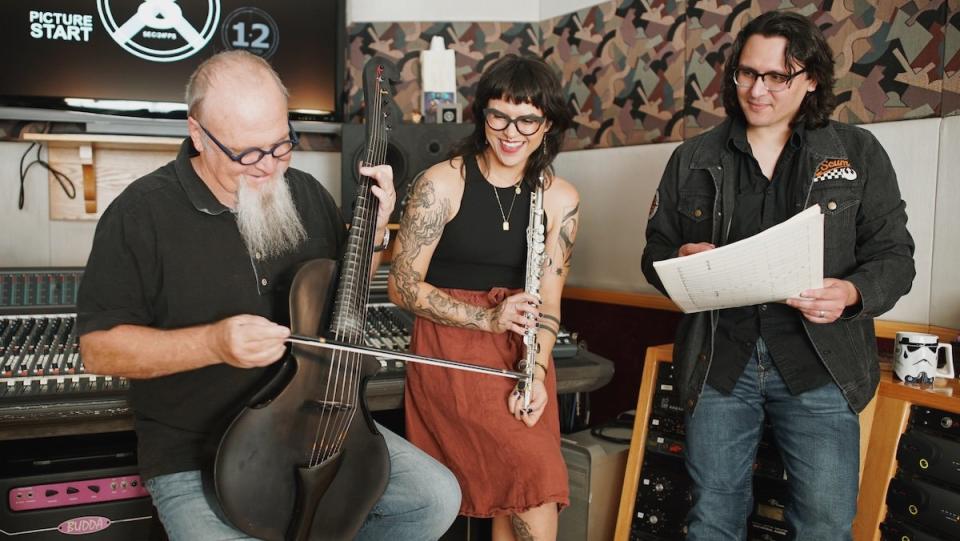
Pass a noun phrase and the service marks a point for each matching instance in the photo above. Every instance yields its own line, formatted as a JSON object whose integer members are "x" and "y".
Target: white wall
{"x": 28, "y": 238}
{"x": 913, "y": 147}
{"x": 553, "y": 8}
{"x": 616, "y": 187}
{"x": 461, "y": 10}
{"x": 440, "y": 10}
{"x": 944, "y": 284}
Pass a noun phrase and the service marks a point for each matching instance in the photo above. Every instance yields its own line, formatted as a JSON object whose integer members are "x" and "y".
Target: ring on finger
{"x": 821, "y": 314}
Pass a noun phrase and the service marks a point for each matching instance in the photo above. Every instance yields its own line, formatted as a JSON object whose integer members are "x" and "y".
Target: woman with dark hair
{"x": 460, "y": 265}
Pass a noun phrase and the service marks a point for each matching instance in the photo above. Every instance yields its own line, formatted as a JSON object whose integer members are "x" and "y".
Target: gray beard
{"x": 268, "y": 219}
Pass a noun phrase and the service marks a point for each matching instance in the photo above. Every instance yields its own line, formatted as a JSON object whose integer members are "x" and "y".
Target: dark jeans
{"x": 819, "y": 440}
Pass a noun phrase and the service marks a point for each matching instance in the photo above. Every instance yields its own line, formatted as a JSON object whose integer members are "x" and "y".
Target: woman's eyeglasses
{"x": 526, "y": 124}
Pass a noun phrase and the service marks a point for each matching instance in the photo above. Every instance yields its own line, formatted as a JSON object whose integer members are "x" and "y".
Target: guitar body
{"x": 304, "y": 460}
{"x": 263, "y": 481}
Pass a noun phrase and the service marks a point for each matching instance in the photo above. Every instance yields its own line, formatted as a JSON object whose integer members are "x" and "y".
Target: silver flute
{"x": 536, "y": 246}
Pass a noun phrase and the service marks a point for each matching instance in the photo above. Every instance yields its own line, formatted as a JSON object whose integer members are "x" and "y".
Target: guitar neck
{"x": 349, "y": 313}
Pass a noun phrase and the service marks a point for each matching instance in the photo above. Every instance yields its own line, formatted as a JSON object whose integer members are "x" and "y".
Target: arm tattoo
{"x": 549, "y": 324}
{"x": 567, "y": 234}
{"x": 422, "y": 224}
{"x": 444, "y": 309}
{"x": 521, "y": 530}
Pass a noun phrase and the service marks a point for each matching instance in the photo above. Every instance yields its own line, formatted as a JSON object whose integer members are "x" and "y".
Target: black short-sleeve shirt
{"x": 166, "y": 254}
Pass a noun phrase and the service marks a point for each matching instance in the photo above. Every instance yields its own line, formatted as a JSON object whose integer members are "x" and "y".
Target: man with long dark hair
{"x": 809, "y": 365}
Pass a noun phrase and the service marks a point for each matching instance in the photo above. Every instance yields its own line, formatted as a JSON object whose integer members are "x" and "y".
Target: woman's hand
{"x": 511, "y": 314}
{"x": 538, "y": 403}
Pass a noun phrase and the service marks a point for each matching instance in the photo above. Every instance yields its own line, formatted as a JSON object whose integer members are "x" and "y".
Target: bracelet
{"x": 541, "y": 365}
{"x": 383, "y": 245}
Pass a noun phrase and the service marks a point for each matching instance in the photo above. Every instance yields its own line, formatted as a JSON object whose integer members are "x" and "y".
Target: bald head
{"x": 231, "y": 83}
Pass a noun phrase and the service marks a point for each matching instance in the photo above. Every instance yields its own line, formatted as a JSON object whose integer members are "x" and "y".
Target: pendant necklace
{"x": 506, "y": 216}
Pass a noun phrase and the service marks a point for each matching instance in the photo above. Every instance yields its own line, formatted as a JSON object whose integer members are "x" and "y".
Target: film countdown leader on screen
{"x": 247, "y": 28}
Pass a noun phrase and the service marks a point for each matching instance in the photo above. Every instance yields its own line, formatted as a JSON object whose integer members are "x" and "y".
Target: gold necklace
{"x": 506, "y": 217}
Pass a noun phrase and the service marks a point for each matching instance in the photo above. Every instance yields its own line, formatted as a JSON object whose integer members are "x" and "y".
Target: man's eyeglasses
{"x": 526, "y": 124}
{"x": 773, "y": 81}
{"x": 254, "y": 155}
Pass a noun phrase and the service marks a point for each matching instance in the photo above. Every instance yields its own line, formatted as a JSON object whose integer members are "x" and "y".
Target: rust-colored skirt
{"x": 461, "y": 418}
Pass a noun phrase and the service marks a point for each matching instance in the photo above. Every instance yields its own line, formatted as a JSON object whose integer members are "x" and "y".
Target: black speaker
{"x": 411, "y": 149}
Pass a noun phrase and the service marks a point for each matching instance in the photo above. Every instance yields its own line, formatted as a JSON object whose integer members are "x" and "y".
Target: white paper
{"x": 770, "y": 266}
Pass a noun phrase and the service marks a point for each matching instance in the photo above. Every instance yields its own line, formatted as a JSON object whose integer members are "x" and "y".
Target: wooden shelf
{"x": 655, "y": 301}
{"x": 631, "y": 480}
{"x": 100, "y": 166}
{"x": 141, "y": 142}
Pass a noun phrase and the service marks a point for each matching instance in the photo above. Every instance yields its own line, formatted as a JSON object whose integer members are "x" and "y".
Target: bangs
{"x": 522, "y": 86}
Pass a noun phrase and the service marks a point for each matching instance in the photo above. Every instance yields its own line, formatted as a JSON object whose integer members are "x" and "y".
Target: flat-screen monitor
{"x": 74, "y": 54}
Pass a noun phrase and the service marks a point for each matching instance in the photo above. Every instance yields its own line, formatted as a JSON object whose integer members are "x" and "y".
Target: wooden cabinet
{"x": 893, "y": 402}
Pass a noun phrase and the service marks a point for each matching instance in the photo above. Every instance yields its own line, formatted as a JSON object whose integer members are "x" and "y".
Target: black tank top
{"x": 474, "y": 251}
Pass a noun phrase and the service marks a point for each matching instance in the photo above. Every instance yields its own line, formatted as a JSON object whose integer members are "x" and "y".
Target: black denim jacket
{"x": 865, "y": 241}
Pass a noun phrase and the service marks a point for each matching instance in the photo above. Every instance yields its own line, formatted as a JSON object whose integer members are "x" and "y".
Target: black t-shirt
{"x": 761, "y": 204}
{"x": 475, "y": 252}
{"x": 167, "y": 255}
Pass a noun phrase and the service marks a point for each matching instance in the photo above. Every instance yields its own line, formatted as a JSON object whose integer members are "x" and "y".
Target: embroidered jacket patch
{"x": 834, "y": 169}
{"x": 654, "y": 205}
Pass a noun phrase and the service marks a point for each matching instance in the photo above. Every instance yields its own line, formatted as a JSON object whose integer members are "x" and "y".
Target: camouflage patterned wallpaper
{"x": 476, "y": 45}
{"x": 648, "y": 71}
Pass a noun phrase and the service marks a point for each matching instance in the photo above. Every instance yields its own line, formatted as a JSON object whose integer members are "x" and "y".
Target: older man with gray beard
{"x": 185, "y": 294}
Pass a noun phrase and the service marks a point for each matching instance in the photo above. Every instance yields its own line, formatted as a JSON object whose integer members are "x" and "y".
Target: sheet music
{"x": 770, "y": 266}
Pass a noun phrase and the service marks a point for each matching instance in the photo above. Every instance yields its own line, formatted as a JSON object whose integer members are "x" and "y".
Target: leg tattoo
{"x": 520, "y": 528}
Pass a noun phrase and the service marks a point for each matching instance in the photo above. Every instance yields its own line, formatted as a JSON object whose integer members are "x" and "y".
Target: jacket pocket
{"x": 839, "y": 207}
{"x": 695, "y": 211}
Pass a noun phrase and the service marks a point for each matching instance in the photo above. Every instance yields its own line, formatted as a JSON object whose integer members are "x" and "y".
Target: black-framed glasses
{"x": 773, "y": 81}
{"x": 526, "y": 124}
{"x": 252, "y": 156}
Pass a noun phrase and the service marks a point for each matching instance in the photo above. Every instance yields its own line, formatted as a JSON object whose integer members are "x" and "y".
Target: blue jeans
{"x": 819, "y": 440}
{"x": 420, "y": 503}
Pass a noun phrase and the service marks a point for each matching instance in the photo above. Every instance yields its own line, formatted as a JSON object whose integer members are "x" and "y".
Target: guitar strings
{"x": 350, "y": 313}
{"x": 369, "y": 208}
